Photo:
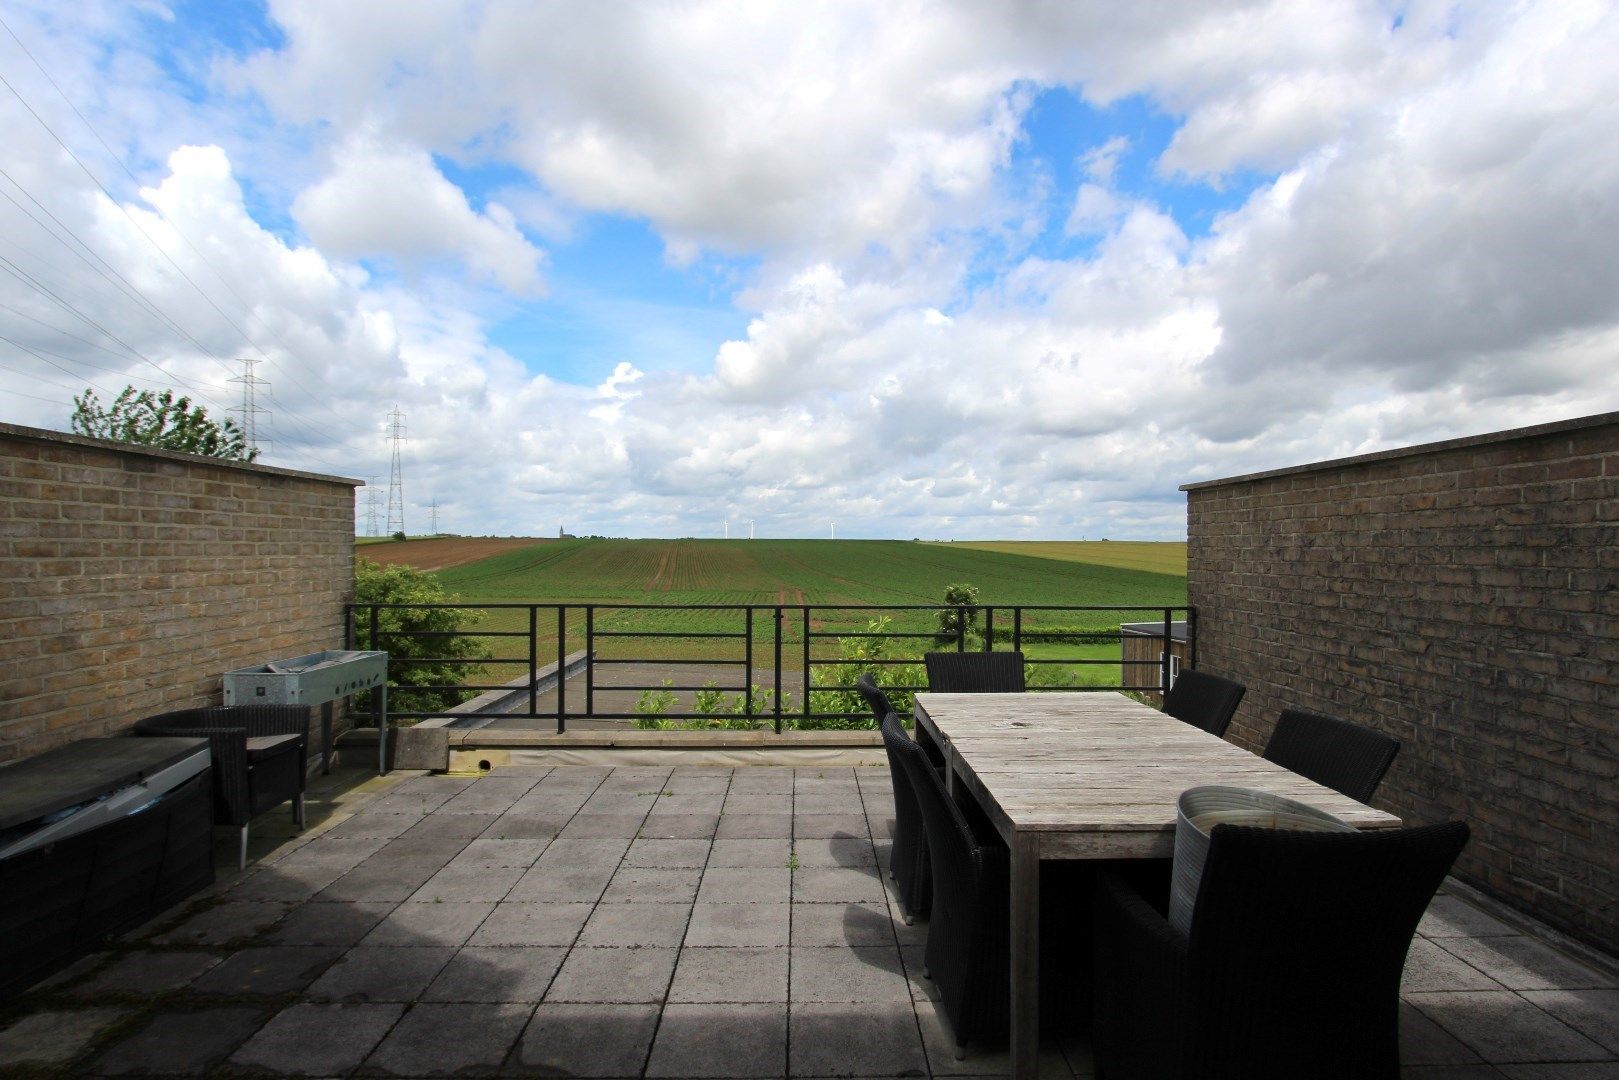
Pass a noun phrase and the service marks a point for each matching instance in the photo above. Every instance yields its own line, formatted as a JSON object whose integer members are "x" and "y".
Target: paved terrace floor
{"x": 686, "y": 922}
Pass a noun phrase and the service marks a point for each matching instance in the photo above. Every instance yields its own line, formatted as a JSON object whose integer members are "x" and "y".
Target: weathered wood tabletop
{"x": 1091, "y": 775}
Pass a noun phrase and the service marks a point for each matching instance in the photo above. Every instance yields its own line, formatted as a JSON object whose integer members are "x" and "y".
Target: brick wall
{"x": 130, "y": 579}
{"x": 1464, "y": 597}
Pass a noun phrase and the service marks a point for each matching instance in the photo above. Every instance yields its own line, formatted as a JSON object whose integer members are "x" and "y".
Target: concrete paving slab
{"x": 699, "y": 780}
{"x": 755, "y": 827}
{"x": 678, "y": 826}
{"x": 653, "y": 885}
{"x": 869, "y": 1039}
{"x": 54, "y": 1037}
{"x": 379, "y": 826}
{"x": 468, "y": 882}
{"x": 584, "y": 826}
{"x": 834, "y": 925}
{"x": 636, "y": 925}
{"x": 525, "y": 826}
{"x": 516, "y": 923}
{"x": 1500, "y": 1026}
{"x": 720, "y": 1041}
{"x": 745, "y": 885}
{"x": 264, "y": 971}
{"x": 1428, "y": 968}
{"x": 1449, "y": 915}
{"x": 1592, "y": 1012}
{"x": 385, "y": 973}
{"x": 741, "y": 802}
{"x": 449, "y": 1040}
{"x": 586, "y": 1040}
{"x": 762, "y": 780}
{"x": 381, "y": 879}
{"x": 859, "y": 973}
{"x": 292, "y": 884}
{"x": 838, "y": 885}
{"x": 557, "y": 883}
{"x": 1523, "y": 963}
{"x": 144, "y": 972}
{"x": 620, "y": 976}
{"x": 1423, "y": 1042}
{"x": 449, "y": 923}
{"x": 721, "y": 925}
{"x": 325, "y": 923}
{"x": 694, "y": 803}
{"x": 492, "y": 852}
{"x": 814, "y": 852}
{"x": 831, "y": 826}
{"x": 443, "y": 826}
{"x": 317, "y": 1040}
{"x": 668, "y": 853}
{"x": 225, "y": 923}
{"x": 772, "y": 853}
{"x": 180, "y": 1043}
{"x": 738, "y": 975}
{"x": 511, "y": 973}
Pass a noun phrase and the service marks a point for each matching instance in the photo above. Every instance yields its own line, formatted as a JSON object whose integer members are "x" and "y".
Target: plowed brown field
{"x": 442, "y": 551}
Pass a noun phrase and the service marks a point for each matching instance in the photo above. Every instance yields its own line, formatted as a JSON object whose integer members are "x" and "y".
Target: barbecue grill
{"x": 318, "y": 678}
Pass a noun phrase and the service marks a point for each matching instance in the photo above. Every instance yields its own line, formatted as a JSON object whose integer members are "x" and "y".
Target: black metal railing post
{"x": 534, "y": 658}
{"x": 1017, "y": 629}
{"x": 961, "y": 628}
{"x": 747, "y": 668}
{"x": 1163, "y": 675}
{"x": 806, "y": 662}
{"x": 1191, "y": 638}
{"x": 562, "y": 668}
{"x": 777, "y": 700}
{"x": 989, "y": 629}
{"x": 590, "y": 660}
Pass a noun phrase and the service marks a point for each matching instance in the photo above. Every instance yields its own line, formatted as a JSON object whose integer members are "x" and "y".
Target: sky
{"x": 894, "y": 269}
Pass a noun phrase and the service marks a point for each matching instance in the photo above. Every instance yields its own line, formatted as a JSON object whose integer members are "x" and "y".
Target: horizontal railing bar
{"x": 661, "y": 663}
{"x": 669, "y": 633}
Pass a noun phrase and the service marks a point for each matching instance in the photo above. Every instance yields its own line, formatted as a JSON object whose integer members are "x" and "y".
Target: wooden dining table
{"x": 1087, "y": 775}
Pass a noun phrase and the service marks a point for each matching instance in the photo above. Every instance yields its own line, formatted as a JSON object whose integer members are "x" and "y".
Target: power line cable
{"x": 119, "y": 161}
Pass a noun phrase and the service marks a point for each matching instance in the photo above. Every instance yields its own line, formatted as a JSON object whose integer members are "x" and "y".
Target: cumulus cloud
{"x": 933, "y": 346}
{"x": 392, "y": 201}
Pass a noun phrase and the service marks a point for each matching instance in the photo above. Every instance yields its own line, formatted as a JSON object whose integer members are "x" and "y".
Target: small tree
{"x": 441, "y": 643}
{"x": 156, "y": 419}
{"x": 951, "y": 624}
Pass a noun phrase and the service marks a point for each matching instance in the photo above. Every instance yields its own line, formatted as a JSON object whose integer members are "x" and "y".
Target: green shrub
{"x": 440, "y": 643}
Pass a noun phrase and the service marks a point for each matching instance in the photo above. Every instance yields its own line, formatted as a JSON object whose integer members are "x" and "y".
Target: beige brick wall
{"x": 1464, "y": 597}
{"x": 130, "y": 579}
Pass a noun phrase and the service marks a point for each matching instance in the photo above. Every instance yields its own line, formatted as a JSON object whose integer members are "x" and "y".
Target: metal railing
{"x": 751, "y": 634}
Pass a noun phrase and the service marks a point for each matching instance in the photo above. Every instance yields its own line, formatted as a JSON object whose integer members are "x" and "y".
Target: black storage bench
{"x": 96, "y": 837}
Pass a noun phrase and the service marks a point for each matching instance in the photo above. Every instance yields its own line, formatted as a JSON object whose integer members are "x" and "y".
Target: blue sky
{"x": 642, "y": 268}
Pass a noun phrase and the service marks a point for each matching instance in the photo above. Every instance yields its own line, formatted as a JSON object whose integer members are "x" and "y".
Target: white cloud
{"x": 392, "y": 201}
{"x": 1426, "y": 253}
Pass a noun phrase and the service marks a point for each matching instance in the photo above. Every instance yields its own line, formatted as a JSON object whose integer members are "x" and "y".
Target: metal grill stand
{"x": 318, "y": 678}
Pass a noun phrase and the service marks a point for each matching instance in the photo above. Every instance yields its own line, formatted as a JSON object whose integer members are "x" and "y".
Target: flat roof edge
{"x": 69, "y": 439}
{"x": 1556, "y": 427}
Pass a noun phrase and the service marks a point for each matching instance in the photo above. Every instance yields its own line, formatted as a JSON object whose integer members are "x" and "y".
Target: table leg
{"x": 1025, "y": 987}
{"x": 326, "y": 737}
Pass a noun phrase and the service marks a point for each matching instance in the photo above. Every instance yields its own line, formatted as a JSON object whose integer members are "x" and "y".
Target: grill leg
{"x": 241, "y": 857}
{"x": 298, "y": 810}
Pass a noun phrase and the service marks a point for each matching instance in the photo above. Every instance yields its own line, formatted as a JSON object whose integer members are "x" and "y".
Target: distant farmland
{"x": 1155, "y": 556}
{"x": 827, "y": 573}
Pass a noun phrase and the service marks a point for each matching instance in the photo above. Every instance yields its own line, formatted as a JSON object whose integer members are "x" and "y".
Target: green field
{"x": 837, "y": 577}
{"x": 1159, "y": 557}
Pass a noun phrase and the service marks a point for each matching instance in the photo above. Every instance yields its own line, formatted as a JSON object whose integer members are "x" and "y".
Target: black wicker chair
{"x": 908, "y": 863}
{"x": 259, "y": 757}
{"x": 1335, "y": 753}
{"x": 1203, "y": 700}
{"x": 968, "y": 932}
{"x": 975, "y": 672}
{"x": 1292, "y": 966}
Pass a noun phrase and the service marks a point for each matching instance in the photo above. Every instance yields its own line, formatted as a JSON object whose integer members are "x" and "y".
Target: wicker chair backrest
{"x": 1335, "y": 753}
{"x": 975, "y": 672}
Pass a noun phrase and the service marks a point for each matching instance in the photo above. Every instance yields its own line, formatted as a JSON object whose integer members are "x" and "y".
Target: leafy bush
{"x": 844, "y": 675}
{"x": 654, "y": 705}
{"x": 441, "y": 642}
{"x": 963, "y": 600}
{"x": 149, "y": 418}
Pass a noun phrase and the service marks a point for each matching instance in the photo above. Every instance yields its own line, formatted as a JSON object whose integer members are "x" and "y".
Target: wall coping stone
{"x": 45, "y": 435}
{"x": 1557, "y": 427}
